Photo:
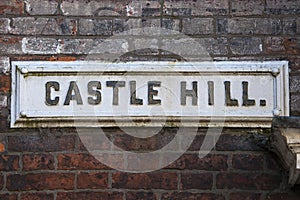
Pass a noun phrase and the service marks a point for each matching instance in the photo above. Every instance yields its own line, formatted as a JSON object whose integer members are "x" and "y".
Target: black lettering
{"x": 115, "y": 85}
{"x": 152, "y": 92}
{"x": 246, "y": 100}
{"x": 93, "y": 89}
{"x": 228, "y": 100}
{"x": 211, "y": 93}
{"x": 192, "y": 93}
{"x": 76, "y": 96}
{"x": 133, "y": 99}
{"x": 55, "y": 86}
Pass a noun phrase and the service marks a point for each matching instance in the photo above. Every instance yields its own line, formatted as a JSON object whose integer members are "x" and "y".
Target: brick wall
{"x": 54, "y": 164}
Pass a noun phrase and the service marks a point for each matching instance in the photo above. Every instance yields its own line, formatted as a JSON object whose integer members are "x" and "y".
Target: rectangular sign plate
{"x": 99, "y": 94}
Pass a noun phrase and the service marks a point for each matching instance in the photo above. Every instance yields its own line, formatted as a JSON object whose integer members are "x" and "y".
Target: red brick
{"x": 202, "y": 181}
{"x": 37, "y": 143}
{"x": 8, "y": 196}
{"x": 89, "y": 143}
{"x": 211, "y": 162}
{"x": 9, "y": 162}
{"x": 191, "y": 196}
{"x": 80, "y": 161}
{"x": 90, "y": 196}
{"x": 11, "y": 7}
{"x": 247, "y": 162}
{"x": 248, "y": 181}
{"x": 37, "y": 196}
{"x": 141, "y": 196}
{"x": 42, "y": 181}
{"x": 92, "y": 180}
{"x": 5, "y": 83}
{"x": 10, "y": 45}
{"x": 283, "y": 45}
{"x": 155, "y": 180}
{"x": 38, "y": 162}
{"x": 244, "y": 196}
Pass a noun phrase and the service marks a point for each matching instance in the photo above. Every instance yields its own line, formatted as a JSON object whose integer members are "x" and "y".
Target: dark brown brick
{"x": 36, "y": 143}
{"x": 11, "y": 7}
{"x": 9, "y": 162}
{"x": 1, "y": 181}
{"x": 191, "y": 196}
{"x": 92, "y": 180}
{"x": 203, "y": 181}
{"x": 248, "y": 181}
{"x": 80, "y": 161}
{"x": 5, "y": 83}
{"x": 247, "y": 162}
{"x": 155, "y": 180}
{"x": 37, "y": 196}
{"x": 283, "y": 196}
{"x": 90, "y": 196}
{"x": 141, "y": 196}
{"x": 211, "y": 162}
{"x": 8, "y": 196}
{"x": 244, "y": 196}
{"x": 41, "y": 181}
{"x": 273, "y": 162}
{"x": 243, "y": 142}
{"x": 38, "y": 162}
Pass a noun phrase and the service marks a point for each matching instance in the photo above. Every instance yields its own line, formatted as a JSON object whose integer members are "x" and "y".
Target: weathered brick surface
{"x": 291, "y": 26}
{"x": 196, "y": 7}
{"x": 189, "y": 196}
{"x": 141, "y": 196}
{"x": 10, "y": 45}
{"x": 89, "y": 195}
{"x": 10, "y": 7}
{"x": 283, "y": 7}
{"x": 248, "y": 181}
{"x": 41, "y": 7}
{"x": 35, "y": 143}
{"x": 36, "y": 196}
{"x": 246, "y": 46}
{"x": 247, "y": 7}
{"x": 249, "y": 26}
{"x": 38, "y": 162}
{"x": 247, "y": 162}
{"x": 197, "y": 26}
{"x": 82, "y": 161}
{"x": 5, "y": 83}
{"x": 188, "y": 181}
{"x": 211, "y": 162}
{"x": 283, "y": 45}
{"x": 4, "y": 65}
{"x": 155, "y": 180}
{"x": 8, "y": 196}
{"x": 248, "y": 196}
{"x": 93, "y": 180}
{"x": 41, "y": 181}
{"x": 9, "y": 162}
{"x": 43, "y": 26}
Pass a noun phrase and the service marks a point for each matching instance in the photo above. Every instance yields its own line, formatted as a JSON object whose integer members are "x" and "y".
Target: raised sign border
{"x": 279, "y": 69}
